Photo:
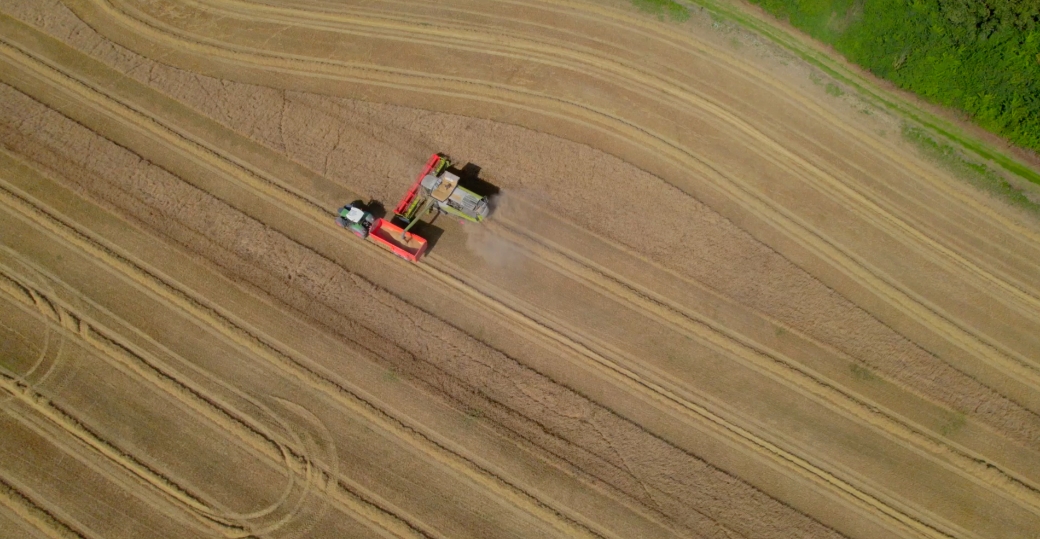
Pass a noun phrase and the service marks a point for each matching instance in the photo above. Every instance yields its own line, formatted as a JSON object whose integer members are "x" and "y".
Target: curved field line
{"x": 291, "y": 365}
{"x": 39, "y": 517}
{"x": 46, "y": 409}
{"x": 131, "y": 359}
{"x": 282, "y": 198}
{"x": 551, "y": 52}
{"x": 135, "y": 362}
{"x": 317, "y": 475}
{"x": 627, "y": 20}
{"x": 780, "y": 368}
{"x": 125, "y": 359}
{"x": 64, "y": 432}
{"x": 28, "y": 296}
{"x": 1013, "y": 365}
{"x": 295, "y": 367}
{"x": 279, "y": 195}
{"x": 134, "y": 485}
{"x": 117, "y": 473}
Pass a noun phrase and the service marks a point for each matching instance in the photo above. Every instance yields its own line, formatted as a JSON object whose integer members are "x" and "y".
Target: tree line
{"x": 979, "y": 56}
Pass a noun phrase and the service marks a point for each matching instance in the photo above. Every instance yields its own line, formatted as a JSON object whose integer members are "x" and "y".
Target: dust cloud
{"x": 493, "y": 249}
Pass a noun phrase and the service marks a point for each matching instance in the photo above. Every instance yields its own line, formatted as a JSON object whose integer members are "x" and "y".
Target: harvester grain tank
{"x": 435, "y": 189}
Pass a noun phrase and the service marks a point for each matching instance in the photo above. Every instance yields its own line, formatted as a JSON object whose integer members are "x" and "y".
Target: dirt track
{"x": 712, "y": 302}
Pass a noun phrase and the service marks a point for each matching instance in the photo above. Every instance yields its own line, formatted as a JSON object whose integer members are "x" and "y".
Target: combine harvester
{"x": 436, "y": 189}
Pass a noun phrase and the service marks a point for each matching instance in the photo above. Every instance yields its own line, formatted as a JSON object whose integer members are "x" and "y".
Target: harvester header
{"x": 409, "y": 203}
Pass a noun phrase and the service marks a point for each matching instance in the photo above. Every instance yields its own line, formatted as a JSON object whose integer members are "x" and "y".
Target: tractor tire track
{"x": 42, "y": 410}
{"x": 796, "y": 464}
{"x": 758, "y": 444}
{"x": 490, "y": 38}
{"x": 784, "y": 369}
{"x": 626, "y": 76}
{"x": 377, "y": 253}
{"x": 280, "y": 453}
{"x": 622, "y": 265}
{"x": 39, "y": 517}
{"x": 1018, "y": 375}
{"x": 285, "y": 362}
{"x": 286, "y": 202}
{"x": 52, "y": 353}
{"x": 350, "y": 497}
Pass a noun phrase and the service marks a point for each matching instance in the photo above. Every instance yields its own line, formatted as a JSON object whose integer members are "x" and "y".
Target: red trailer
{"x": 390, "y": 236}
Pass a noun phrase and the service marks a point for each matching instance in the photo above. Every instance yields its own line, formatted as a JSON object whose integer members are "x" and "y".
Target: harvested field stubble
{"x": 733, "y": 313}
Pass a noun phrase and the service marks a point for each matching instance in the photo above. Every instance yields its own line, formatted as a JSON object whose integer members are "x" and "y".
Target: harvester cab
{"x": 453, "y": 199}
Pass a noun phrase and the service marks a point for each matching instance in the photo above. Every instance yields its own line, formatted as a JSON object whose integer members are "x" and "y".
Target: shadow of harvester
{"x": 469, "y": 178}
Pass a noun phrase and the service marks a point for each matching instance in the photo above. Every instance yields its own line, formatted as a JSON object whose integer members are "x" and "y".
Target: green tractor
{"x": 354, "y": 218}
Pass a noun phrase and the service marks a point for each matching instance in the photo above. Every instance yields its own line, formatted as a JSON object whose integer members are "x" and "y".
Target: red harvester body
{"x": 409, "y": 197}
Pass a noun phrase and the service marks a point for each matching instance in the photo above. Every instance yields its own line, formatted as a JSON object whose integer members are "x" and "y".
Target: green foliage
{"x": 979, "y": 175}
{"x": 834, "y": 89}
{"x": 822, "y": 19}
{"x": 985, "y": 17}
{"x": 979, "y": 56}
{"x": 674, "y": 10}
